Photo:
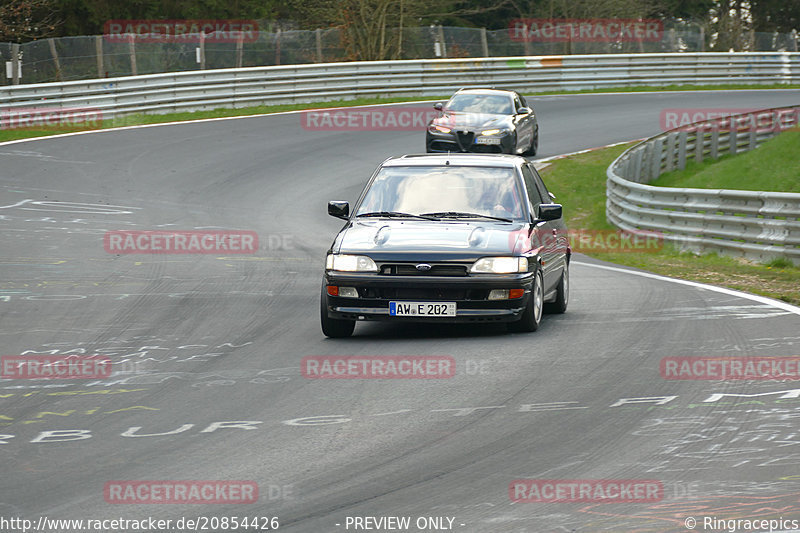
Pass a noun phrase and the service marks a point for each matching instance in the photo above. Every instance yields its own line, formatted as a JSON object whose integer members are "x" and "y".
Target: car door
{"x": 544, "y": 235}
{"x": 557, "y": 228}
{"x": 524, "y": 125}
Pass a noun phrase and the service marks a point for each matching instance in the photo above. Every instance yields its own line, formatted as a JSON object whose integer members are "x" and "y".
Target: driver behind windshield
{"x": 421, "y": 190}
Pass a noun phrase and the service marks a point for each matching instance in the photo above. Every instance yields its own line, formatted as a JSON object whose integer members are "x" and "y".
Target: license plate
{"x": 422, "y": 308}
{"x": 487, "y": 140}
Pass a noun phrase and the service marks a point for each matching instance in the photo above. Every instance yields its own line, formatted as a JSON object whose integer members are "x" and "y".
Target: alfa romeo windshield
{"x": 492, "y": 104}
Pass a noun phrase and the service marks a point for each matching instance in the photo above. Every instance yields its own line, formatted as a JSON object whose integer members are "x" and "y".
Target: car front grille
{"x": 410, "y": 269}
{"x": 465, "y": 138}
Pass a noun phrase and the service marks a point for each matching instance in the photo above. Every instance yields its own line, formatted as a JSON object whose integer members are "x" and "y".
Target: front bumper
{"x": 457, "y": 141}
{"x": 470, "y": 293}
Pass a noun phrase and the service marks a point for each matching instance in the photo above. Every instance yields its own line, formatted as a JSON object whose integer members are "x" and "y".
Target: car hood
{"x": 456, "y": 120}
{"x": 412, "y": 240}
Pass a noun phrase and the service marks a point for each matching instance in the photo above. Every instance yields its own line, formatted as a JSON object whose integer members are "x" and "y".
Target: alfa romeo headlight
{"x": 494, "y": 132}
{"x": 435, "y": 128}
{"x": 499, "y": 265}
{"x": 350, "y": 263}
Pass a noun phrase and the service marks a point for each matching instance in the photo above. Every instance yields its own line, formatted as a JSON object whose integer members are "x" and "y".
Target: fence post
{"x": 793, "y": 37}
{"x": 53, "y": 52}
{"x": 318, "y": 39}
{"x": 702, "y": 39}
{"x": 278, "y": 47}
{"x": 98, "y": 51}
{"x": 526, "y": 41}
{"x": 15, "y": 64}
{"x": 202, "y": 50}
{"x": 441, "y": 40}
{"x": 484, "y": 43}
{"x": 239, "y": 49}
{"x": 132, "y": 52}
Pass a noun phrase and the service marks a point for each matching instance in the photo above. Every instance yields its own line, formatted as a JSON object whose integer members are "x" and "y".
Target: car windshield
{"x": 448, "y": 192}
{"x": 492, "y": 104}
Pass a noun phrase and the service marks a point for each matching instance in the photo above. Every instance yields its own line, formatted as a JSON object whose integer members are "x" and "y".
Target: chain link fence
{"x": 90, "y": 57}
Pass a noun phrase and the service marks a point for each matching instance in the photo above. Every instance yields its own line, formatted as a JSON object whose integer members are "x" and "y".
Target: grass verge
{"x": 774, "y": 166}
{"x": 139, "y": 119}
{"x": 579, "y": 182}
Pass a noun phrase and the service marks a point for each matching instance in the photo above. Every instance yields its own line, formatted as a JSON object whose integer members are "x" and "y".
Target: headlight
{"x": 433, "y": 128}
{"x": 499, "y": 265}
{"x": 350, "y": 263}
{"x": 494, "y": 132}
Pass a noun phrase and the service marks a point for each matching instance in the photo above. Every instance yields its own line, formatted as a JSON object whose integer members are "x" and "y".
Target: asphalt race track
{"x": 207, "y": 349}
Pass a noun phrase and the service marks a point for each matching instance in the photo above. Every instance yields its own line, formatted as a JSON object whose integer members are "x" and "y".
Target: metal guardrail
{"x": 752, "y": 224}
{"x": 244, "y": 87}
{"x": 87, "y": 57}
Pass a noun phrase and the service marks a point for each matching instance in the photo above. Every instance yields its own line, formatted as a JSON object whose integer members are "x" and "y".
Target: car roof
{"x": 504, "y": 92}
{"x": 456, "y": 159}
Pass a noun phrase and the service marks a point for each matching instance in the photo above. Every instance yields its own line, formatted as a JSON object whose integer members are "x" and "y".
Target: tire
{"x": 532, "y": 316}
{"x": 513, "y": 149}
{"x": 534, "y": 147}
{"x": 562, "y": 295}
{"x": 332, "y": 327}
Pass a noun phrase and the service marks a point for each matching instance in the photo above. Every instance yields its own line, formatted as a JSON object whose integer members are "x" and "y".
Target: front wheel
{"x": 333, "y": 327}
{"x": 532, "y": 316}
{"x": 534, "y": 147}
{"x": 562, "y": 294}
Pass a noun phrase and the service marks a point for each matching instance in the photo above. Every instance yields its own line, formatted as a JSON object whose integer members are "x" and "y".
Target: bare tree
{"x": 27, "y": 20}
{"x": 731, "y": 20}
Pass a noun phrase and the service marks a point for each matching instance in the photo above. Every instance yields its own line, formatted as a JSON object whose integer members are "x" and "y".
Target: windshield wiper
{"x": 395, "y": 214}
{"x": 458, "y": 214}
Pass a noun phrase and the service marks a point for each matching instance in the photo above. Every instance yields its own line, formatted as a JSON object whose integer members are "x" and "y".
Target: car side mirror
{"x": 438, "y": 106}
{"x": 339, "y": 209}
{"x": 524, "y": 111}
{"x": 546, "y": 212}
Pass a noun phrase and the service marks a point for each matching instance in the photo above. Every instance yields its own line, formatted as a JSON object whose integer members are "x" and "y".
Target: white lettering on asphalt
{"x": 248, "y": 424}
{"x": 131, "y": 431}
{"x": 657, "y": 400}
{"x": 62, "y": 435}
{"x": 791, "y": 393}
